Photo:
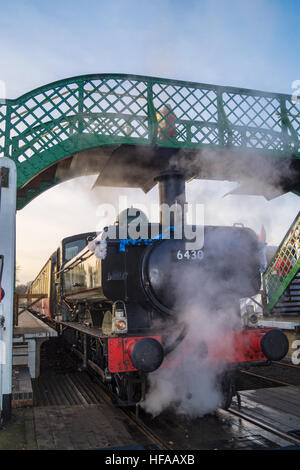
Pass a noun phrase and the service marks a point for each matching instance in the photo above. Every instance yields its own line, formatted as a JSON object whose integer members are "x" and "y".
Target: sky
{"x": 251, "y": 44}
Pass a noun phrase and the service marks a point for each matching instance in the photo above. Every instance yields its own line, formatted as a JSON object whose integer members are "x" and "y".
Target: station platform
{"x": 80, "y": 427}
{"x": 28, "y": 337}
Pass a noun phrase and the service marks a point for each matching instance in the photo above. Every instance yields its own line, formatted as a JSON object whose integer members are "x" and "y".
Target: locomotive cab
{"x": 72, "y": 246}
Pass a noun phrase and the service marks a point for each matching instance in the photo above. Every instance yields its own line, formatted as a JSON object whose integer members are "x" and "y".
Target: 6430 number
{"x": 189, "y": 254}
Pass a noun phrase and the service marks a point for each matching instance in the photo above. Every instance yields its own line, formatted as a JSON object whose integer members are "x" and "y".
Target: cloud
{"x": 216, "y": 41}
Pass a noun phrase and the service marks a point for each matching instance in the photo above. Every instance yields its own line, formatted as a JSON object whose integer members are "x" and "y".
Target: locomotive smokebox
{"x": 147, "y": 355}
{"x": 275, "y": 345}
{"x": 171, "y": 185}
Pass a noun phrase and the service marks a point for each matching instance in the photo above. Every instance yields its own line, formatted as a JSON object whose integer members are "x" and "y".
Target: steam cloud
{"x": 187, "y": 383}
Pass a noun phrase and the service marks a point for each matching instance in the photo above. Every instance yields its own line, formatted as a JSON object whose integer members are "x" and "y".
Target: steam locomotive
{"x": 121, "y": 302}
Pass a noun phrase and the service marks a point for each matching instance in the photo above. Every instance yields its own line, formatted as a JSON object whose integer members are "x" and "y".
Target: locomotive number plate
{"x": 189, "y": 254}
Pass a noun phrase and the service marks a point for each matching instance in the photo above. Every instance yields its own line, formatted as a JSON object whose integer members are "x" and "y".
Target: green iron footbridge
{"x": 111, "y": 124}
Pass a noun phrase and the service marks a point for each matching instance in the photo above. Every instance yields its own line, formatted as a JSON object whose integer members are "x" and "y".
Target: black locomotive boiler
{"x": 116, "y": 298}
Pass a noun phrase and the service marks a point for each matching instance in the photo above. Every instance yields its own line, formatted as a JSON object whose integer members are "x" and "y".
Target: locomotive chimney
{"x": 171, "y": 185}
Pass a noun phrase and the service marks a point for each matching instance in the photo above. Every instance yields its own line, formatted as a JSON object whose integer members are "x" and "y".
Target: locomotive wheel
{"x": 117, "y": 386}
{"x": 228, "y": 390}
{"x": 127, "y": 387}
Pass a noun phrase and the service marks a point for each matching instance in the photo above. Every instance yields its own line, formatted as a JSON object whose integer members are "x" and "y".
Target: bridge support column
{"x": 8, "y": 185}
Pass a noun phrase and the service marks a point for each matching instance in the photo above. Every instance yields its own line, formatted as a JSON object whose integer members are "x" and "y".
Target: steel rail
{"x": 111, "y": 398}
{"x": 267, "y": 379}
{"x": 107, "y": 396}
{"x": 265, "y": 426}
{"x": 285, "y": 364}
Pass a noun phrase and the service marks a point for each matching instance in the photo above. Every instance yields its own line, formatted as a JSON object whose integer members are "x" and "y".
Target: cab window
{"x": 72, "y": 249}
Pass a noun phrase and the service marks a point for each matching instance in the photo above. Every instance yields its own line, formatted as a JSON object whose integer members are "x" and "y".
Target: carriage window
{"x": 72, "y": 249}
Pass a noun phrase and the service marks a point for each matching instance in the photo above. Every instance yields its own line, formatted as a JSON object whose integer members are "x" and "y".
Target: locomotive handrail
{"x": 284, "y": 266}
{"x": 56, "y": 120}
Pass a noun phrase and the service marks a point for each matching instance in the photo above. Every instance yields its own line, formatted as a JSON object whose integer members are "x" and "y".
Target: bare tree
{"x": 22, "y": 288}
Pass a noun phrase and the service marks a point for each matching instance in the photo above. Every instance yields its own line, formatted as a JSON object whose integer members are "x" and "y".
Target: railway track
{"x": 266, "y": 427}
{"x": 134, "y": 418}
{"x": 260, "y": 424}
{"x": 277, "y": 374}
{"x": 168, "y": 431}
{"x": 79, "y": 388}
{"x": 286, "y": 364}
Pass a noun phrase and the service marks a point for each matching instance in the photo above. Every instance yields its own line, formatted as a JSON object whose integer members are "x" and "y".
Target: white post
{"x": 8, "y": 189}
